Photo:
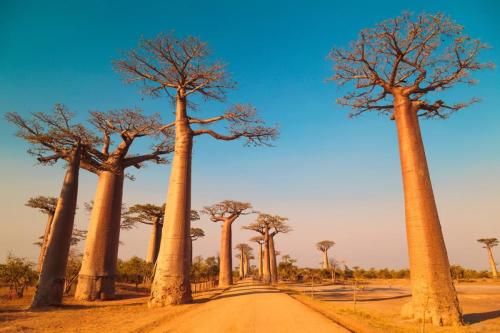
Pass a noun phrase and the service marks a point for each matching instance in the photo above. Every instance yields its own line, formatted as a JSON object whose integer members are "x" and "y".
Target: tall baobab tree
{"x": 489, "y": 243}
{"x": 53, "y": 137}
{"x": 245, "y": 251}
{"x": 396, "y": 68}
{"x": 227, "y": 212}
{"x": 268, "y": 226}
{"x": 148, "y": 214}
{"x": 278, "y": 225}
{"x": 181, "y": 68}
{"x": 260, "y": 257}
{"x": 97, "y": 276}
{"x": 46, "y": 205}
{"x": 324, "y": 246}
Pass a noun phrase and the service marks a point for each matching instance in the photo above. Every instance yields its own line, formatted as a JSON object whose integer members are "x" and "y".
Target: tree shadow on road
{"x": 481, "y": 316}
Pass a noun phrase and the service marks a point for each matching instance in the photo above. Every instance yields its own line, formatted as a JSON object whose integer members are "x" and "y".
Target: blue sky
{"x": 335, "y": 178}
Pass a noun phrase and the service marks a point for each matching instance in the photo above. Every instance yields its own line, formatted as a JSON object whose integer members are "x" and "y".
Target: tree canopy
{"x": 409, "y": 55}
{"x": 324, "y": 245}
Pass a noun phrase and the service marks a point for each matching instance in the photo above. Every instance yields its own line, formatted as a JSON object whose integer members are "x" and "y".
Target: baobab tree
{"x": 226, "y": 212}
{"x": 46, "y": 205}
{"x": 268, "y": 226}
{"x": 97, "y": 276}
{"x": 53, "y": 137}
{"x": 324, "y": 246}
{"x": 489, "y": 243}
{"x": 260, "y": 257}
{"x": 396, "y": 69}
{"x": 148, "y": 214}
{"x": 278, "y": 225}
{"x": 194, "y": 234}
{"x": 181, "y": 68}
{"x": 245, "y": 251}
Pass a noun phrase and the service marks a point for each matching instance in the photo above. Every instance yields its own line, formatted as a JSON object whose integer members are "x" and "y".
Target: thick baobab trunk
{"x": 272, "y": 261}
{"x": 50, "y": 286}
{"x": 154, "y": 242}
{"x": 260, "y": 261}
{"x": 326, "y": 264}
{"x": 45, "y": 241}
{"x": 266, "y": 272}
{"x": 433, "y": 294}
{"x": 171, "y": 283}
{"x": 96, "y": 280}
{"x": 493, "y": 265}
{"x": 226, "y": 265}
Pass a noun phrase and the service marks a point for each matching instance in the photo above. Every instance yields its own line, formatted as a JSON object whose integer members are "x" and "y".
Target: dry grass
{"x": 379, "y": 305}
{"x": 129, "y": 313}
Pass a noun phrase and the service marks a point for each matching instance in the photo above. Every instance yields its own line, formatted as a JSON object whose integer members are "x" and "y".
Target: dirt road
{"x": 251, "y": 308}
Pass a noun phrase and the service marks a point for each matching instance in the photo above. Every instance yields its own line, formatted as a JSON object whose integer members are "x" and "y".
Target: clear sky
{"x": 335, "y": 178}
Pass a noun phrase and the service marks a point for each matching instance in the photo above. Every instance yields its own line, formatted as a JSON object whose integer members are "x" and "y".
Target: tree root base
{"x": 92, "y": 288}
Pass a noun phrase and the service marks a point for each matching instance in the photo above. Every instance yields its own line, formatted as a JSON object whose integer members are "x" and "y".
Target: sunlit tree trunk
{"x": 96, "y": 280}
{"x": 50, "y": 286}
{"x": 493, "y": 265}
{"x": 154, "y": 242}
{"x": 45, "y": 241}
{"x": 433, "y": 294}
{"x": 171, "y": 283}
{"x": 266, "y": 272}
{"x": 260, "y": 258}
{"x": 226, "y": 265}
{"x": 326, "y": 263}
{"x": 272, "y": 261}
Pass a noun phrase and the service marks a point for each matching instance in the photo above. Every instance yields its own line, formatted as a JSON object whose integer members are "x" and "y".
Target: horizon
{"x": 333, "y": 177}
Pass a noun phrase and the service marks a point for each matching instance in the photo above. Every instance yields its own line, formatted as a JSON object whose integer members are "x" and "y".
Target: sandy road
{"x": 251, "y": 308}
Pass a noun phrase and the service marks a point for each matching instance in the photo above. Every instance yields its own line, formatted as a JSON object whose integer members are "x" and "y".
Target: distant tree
{"x": 324, "y": 246}
{"x": 269, "y": 226}
{"x": 395, "y": 69}
{"x": 457, "y": 272}
{"x": 194, "y": 234}
{"x": 181, "y": 68}
{"x": 260, "y": 241}
{"x": 244, "y": 251}
{"x": 204, "y": 269}
{"x": 53, "y": 137}
{"x": 287, "y": 269}
{"x": 135, "y": 270}
{"x": 46, "y": 205}
{"x": 148, "y": 214}
{"x": 18, "y": 273}
{"x": 226, "y": 212}
{"x": 72, "y": 269}
{"x": 489, "y": 243}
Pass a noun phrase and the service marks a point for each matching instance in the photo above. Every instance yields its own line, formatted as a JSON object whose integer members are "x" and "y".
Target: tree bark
{"x": 50, "y": 286}
{"x": 266, "y": 274}
{"x": 226, "y": 265}
{"x": 326, "y": 264}
{"x": 493, "y": 265}
{"x": 171, "y": 283}
{"x": 433, "y": 294}
{"x": 154, "y": 242}
{"x": 96, "y": 280}
{"x": 45, "y": 241}
{"x": 272, "y": 260}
